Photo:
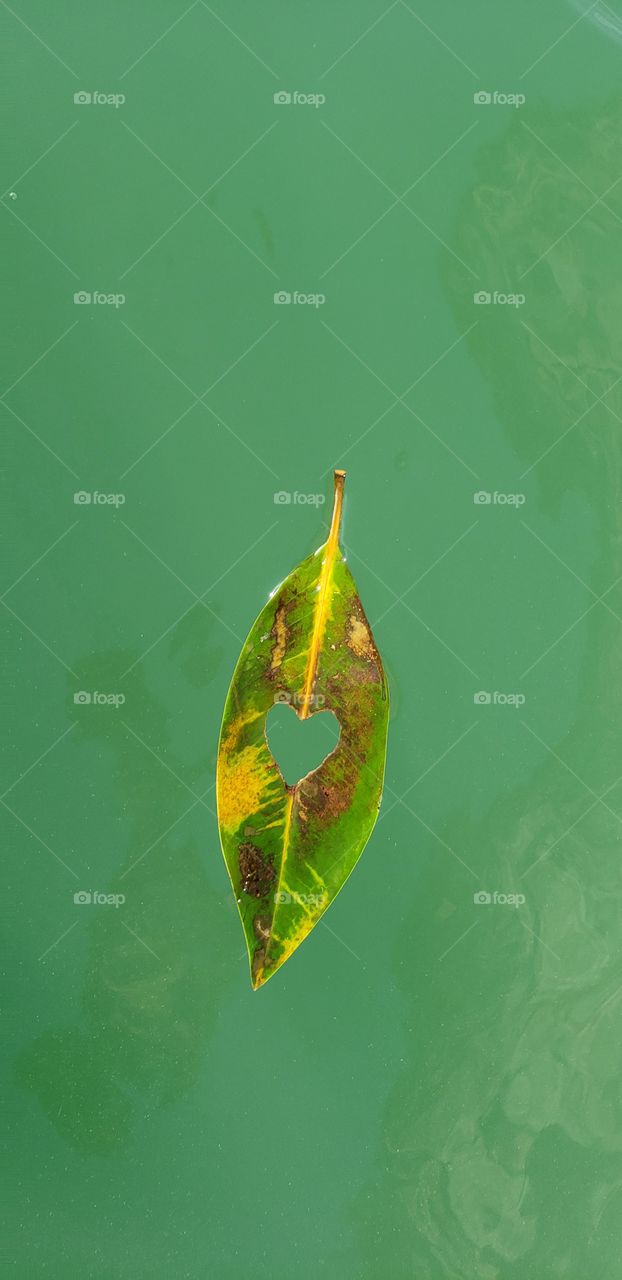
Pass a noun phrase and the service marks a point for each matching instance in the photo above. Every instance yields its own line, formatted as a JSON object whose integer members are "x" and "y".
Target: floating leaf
{"x": 289, "y": 849}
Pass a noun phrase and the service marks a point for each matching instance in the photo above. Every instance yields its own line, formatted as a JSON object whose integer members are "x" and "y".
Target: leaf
{"x": 290, "y": 849}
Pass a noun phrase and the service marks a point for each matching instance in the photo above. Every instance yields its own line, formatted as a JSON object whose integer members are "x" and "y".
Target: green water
{"x": 430, "y": 1087}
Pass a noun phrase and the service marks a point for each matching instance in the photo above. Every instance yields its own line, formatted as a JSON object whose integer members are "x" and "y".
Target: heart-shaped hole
{"x": 300, "y": 746}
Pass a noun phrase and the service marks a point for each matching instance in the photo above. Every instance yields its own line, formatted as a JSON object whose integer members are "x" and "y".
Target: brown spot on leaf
{"x": 256, "y": 872}
{"x": 359, "y": 674}
{"x": 326, "y": 798}
{"x": 259, "y": 959}
{"x": 279, "y": 635}
{"x": 261, "y": 927}
{"x": 359, "y": 638}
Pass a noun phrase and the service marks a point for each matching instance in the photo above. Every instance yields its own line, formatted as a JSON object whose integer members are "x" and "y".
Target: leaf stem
{"x": 323, "y": 597}
{"x": 335, "y": 524}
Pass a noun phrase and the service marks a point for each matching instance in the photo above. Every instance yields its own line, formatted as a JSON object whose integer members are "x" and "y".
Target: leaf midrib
{"x": 319, "y": 624}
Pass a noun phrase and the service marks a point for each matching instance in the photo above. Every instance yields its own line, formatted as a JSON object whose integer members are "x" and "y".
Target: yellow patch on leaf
{"x": 241, "y": 786}
{"x": 241, "y": 775}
